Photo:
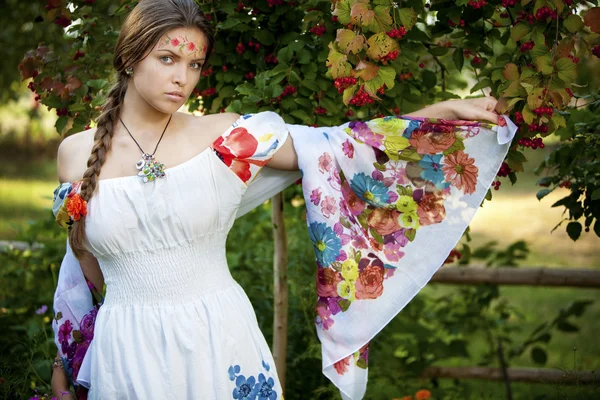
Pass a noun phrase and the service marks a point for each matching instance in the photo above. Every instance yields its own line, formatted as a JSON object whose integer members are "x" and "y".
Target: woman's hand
{"x": 481, "y": 108}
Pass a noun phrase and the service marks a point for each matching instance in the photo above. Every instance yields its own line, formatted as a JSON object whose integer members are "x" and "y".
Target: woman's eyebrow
{"x": 178, "y": 55}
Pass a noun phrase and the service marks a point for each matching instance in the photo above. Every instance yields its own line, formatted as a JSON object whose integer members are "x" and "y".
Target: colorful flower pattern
{"x": 251, "y": 387}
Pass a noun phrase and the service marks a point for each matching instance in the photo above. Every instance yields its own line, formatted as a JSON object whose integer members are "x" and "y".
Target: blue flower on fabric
{"x": 266, "y": 365}
{"x": 327, "y": 244}
{"x": 370, "y": 190}
{"x": 265, "y": 388}
{"x": 411, "y": 127}
{"x": 233, "y": 371}
{"x": 432, "y": 170}
{"x": 246, "y": 388}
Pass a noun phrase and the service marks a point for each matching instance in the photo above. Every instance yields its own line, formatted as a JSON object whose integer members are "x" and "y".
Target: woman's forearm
{"x": 442, "y": 110}
{"x": 60, "y": 383}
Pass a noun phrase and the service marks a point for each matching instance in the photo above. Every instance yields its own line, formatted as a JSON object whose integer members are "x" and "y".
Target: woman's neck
{"x": 141, "y": 118}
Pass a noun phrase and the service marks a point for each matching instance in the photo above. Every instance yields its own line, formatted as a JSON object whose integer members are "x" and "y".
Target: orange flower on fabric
{"x": 423, "y": 394}
{"x": 342, "y": 366}
{"x": 460, "y": 171}
{"x": 76, "y": 206}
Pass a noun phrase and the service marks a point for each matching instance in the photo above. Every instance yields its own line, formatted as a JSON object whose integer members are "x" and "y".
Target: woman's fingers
{"x": 487, "y": 116}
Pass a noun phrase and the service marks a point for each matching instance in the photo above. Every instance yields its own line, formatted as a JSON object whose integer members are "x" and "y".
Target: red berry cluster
{"x": 565, "y": 184}
{"x": 496, "y": 185}
{"x": 397, "y": 33}
{"x": 240, "y": 48}
{"x": 391, "y": 56}
{"x": 320, "y": 110}
{"x": 541, "y": 128}
{"x": 208, "y": 17}
{"x": 396, "y": 111}
{"x": 343, "y": 82}
{"x": 545, "y": 12}
{"x": 452, "y": 24}
{"x": 569, "y": 91}
{"x": 249, "y": 75}
{"x": 224, "y": 68}
{"x": 568, "y": 2}
{"x": 273, "y": 3}
{"x": 62, "y": 112}
{"x": 573, "y": 58}
{"x": 504, "y": 170}
{"x": 405, "y": 76}
{"x": 256, "y": 46}
{"x": 271, "y": 59}
{"x": 287, "y": 91}
{"x": 534, "y": 143}
{"x": 31, "y": 86}
{"x": 519, "y": 118}
{"x": 381, "y": 90}
{"x": 62, "y": 21}
{"x": 453, "y": 256}
{"x": 208, "y": 92}
{"x": 318, "y": 30}
{"x": 240, "y": 6}
{"x": 476, "y": 60}
{"x": 477, "y": 4}
{"x": 596, "y": 51}
{"x": 334, "y": 19}
{"x": 349, "y": 113}
{"x": 208, "y": 72}
{"x": 524, "y": 16}
{"x": 527, "y": 46}
{"x": 544, "y": 110}
{"x": 508, "y": 3}
{"x": 444, "y": 43}
{"x": 361, "y": 98}
{"x": 421, "y": 65}
{"x": 78, "y": 55}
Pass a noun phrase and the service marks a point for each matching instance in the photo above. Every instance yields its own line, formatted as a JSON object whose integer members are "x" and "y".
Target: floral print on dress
{"x": 251, "y": 387}
{"x": 243, "y": 150}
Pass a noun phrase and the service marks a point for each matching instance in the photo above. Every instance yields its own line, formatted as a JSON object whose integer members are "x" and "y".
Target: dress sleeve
{"x": 76, "y": 302}
{"x": 387, "y": 200}
{"x": 248, "y": 145}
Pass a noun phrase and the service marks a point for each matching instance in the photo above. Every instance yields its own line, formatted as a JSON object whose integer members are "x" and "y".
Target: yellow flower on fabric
{"x": 346, "y": 290}
{"x": 409, "y": 220}
{"x": 265, "y": 138}
{"x": 388, "y": 126}
{"x": 350, "y": 270}
{"x": 62, "y": 216}
{"x": 406, "y": 204}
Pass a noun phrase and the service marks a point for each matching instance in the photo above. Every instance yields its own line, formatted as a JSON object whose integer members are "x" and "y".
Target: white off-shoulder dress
{"x": 174, "y": 323}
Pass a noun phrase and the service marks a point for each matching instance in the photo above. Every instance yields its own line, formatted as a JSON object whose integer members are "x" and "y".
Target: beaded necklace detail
{"x": 150, "y": 168}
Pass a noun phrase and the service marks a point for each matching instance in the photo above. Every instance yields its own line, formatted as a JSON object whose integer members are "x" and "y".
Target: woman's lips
{"x": 175, "y": 96}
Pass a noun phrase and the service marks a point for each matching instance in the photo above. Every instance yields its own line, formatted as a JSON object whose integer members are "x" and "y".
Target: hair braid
{"x": 102, "y": 142}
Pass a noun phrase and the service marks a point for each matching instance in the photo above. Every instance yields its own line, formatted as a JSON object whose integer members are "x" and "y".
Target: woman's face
{"x": 167, "y": 76}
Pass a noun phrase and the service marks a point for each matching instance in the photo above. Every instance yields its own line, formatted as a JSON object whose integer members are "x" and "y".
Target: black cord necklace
{"x": 150, "y": 168}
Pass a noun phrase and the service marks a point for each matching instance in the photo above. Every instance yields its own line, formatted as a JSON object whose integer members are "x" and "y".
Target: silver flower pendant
{"x": 150, "y": 169}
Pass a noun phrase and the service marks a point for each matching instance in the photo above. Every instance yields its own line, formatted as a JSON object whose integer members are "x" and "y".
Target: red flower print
{"x": 342, "y": 366}
{"x": 501, "y": 121}
{"x": 174, "y": 42}
{"x": 191, "y": 46}
{"x": 327, "y": 282}
{"x": 428, "y": 142}
{"x": 460, "y": 171}
{"x": 235, "y": 148}
{"x": 369, "y": 284}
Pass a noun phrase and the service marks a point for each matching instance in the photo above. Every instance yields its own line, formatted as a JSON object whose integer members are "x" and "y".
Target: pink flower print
{"x": 393, "y": 197}
{"x": 354, "y": 203}
{"x": 328, "y": 206}
{"x": 400, "y": 237}
{"x": 174, "y": 42}
{"x": 377, "y": 175}
{"x": 399, "y": 174}
{"x": 461, "y": 171}
{"x": 324, "y": 316}
{"x": 359, "y": 242}
{"x": 342, "y": 256}
{"x": 315, "y": 196}
{"x": 325, "y": 163}
{"x": 348, "y": 149}
{"x": 191, "y": 47}
{"x": 338, "y": 228}
{"x": 392, "y": 251}
{"x": 87, "y": 324}
{"x": 64, "y": 333}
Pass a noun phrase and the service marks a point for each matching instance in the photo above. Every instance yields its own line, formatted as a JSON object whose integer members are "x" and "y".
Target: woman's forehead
{"x": 186, "y": 41}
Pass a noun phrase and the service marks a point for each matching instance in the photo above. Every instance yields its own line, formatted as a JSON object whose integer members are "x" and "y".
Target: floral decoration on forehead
{"x": 185, "y": 45}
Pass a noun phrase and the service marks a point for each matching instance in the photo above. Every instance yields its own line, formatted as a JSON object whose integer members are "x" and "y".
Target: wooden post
{"x": 280, "y": 295}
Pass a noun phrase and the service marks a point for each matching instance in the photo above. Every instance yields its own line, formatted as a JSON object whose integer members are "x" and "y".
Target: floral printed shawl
{"x": 386, "y": 199}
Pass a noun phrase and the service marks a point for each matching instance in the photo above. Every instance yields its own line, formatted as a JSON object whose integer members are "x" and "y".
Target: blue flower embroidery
{"x": 265, "y": 388}
{"x": 233, "y": 371}
{"x": 266, "y": 366}
{"x": 432, "y": 170}
{"x": 327, "y": 244}
{"x": 246, "y": 388}
{"x": 370, "y": 190}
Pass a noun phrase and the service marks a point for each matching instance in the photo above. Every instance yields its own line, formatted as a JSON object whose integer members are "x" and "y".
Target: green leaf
{"x": 544, "y": 64}
{"x": 429, "y": 79}
{"x": 408, "y": 17}
{"x": 510, "y": 72}
{"x": 97, "y": 84}
{"x": 573, "y": 23}
{"x": 459, "y": 58}
{"x": 342, "y": 11}
{"x": 348, "y": 41}
{"x": 338, "y": 63}
{"x": 596, "y": 194}
{"x": 567, "y": 70}
{"x": 481, "y": 84}
{"x": 564, "y": 326}
{"x": 538, "y": 355}
{"x": 380, "y": 44}
{"x": 302, "y": 115}
{"x": 439, "y": 51}
{"x": 518, "y": 31}
{"x": 61, "y": 123}
{"x": 264, "y": 36}
{"x": 543, "y": 193}
{"x": 574, "y": 230}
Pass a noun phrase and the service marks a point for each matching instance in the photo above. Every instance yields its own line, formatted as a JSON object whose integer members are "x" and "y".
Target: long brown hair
{"x": 142, "y": 29}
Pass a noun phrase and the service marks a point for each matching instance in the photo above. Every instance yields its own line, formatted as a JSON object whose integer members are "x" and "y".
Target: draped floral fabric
{"x": 386, "y": 201}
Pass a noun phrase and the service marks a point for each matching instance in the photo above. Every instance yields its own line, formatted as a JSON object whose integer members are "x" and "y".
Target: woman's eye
{"x": 166, "y": 59}
{"x": 196, "y": 65}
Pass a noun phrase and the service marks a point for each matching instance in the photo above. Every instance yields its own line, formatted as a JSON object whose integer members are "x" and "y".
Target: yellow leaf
{"x": 265, "y": 137}
{"x": 348, "y": 41}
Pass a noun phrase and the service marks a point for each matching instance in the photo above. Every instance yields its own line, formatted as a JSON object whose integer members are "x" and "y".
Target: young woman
{"x": 150, "y": 194}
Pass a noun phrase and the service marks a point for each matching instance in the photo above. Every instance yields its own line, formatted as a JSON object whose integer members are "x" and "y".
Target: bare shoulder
{"x": 73, "y": 154}
{"x": 211, "y": 126}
